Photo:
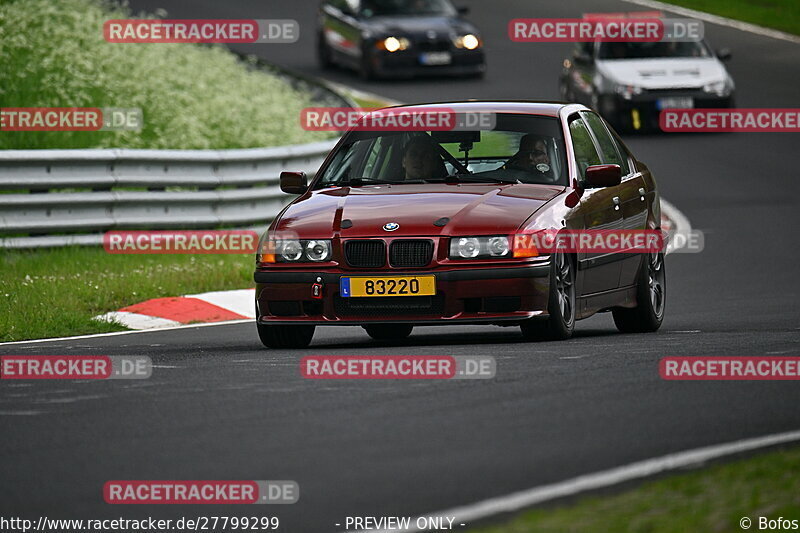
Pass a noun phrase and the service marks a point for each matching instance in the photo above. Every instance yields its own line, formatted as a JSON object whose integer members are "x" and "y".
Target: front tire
{"x": 323, "y": 53}
{"x": 366, "y": 70}
{"x": 389, "y": 332}
{"x": 285, "y": 336}
{"x": 560, "y": 323}
{"x": 651, "y": 298}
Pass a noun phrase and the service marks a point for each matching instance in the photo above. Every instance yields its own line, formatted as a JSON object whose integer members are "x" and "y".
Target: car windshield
{"x": 518, "y": 149}
{"x": 652, "y": 50}
{"x": 379, "y": 8}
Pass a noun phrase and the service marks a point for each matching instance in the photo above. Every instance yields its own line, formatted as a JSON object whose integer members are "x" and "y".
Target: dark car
{"x": 404, "y": 228}
{"x": 398, "y": 38}
{"x": 631, "y": 83}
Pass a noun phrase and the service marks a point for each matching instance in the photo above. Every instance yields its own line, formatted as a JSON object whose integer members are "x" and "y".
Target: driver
{"x": 532, "y": 156}
{"x": 421, "y": 160}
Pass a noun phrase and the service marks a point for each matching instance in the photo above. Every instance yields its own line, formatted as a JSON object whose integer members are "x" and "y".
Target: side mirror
{"x": 582, "y": 58}
{"x": 724, "y": 54}
{"x": 463, "y": 10}
{"x": 294, "y": 182}
{"x": 598, "y": 176}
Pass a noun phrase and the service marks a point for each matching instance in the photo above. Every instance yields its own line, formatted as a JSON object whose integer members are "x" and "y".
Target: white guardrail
{"x": 64, "y": 197}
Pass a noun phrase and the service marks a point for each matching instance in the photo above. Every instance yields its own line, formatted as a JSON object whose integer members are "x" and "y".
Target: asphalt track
{"x": 218, "y": 406}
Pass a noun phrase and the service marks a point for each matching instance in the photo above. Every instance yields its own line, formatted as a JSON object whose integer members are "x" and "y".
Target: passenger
{"x": 421, "y": 160}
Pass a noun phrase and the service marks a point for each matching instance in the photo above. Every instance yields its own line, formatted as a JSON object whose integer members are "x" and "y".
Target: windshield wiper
{"x": 483, "y": 179}
{"x": 358, "y": 182}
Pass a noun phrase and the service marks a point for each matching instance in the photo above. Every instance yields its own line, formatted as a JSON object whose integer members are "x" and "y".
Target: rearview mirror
{"x": 724, "y": 54}
{"x": 598, "y": 176}
{"x": 294, "y": 182}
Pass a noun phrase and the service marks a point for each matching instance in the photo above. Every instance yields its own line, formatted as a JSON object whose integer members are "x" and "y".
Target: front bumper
{"x": 641, "y": 111}
{"x": 463, "y": 295}
{"x": 407, "y": 63}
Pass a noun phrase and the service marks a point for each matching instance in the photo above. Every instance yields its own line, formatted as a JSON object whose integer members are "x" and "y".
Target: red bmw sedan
{"x": 427, "y": 227}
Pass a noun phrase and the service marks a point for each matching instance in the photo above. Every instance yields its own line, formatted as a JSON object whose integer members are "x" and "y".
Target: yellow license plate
{"x": 388, "y": 286}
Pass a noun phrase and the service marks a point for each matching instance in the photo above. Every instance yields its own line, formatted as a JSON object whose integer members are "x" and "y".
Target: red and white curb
{"x": 219, "y": 306}
{"x": 224, "y": 306}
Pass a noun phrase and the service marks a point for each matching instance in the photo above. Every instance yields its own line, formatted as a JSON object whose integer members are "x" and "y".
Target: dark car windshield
{"x": 379, "y": 8}
{"x": 518, "y": 149}
{"x": 652, "y": 50}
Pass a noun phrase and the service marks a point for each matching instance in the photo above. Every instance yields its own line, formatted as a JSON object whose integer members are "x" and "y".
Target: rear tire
{"x": 285, "y": 336}
{"x": 651, "y": 298}
{"x": 389, "y": 332}
{"x": 560, "y": 323}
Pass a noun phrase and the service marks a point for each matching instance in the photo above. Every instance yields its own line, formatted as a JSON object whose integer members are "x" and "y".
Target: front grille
{"x": 413, "y": 253}
{"x": 433, "y": 46}
{"x": 365, "y": 253}
{"x": 677, "y": 91}
{"x": 389, "y": 305}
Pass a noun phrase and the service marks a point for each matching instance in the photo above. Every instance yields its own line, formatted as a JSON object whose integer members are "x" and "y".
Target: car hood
{"x": 663, "y": 73}
{"x": 471, "y": 208}
{"x": 419, "y": 27}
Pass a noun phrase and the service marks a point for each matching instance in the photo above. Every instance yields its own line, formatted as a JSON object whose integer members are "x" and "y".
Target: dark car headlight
{"x": 479, "y": 247}
{"x": 294, "y": 251}
{"x": 393, "y": 44}
{"x": 470, "y": 41}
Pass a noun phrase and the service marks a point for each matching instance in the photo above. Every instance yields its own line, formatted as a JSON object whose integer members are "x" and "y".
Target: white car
{"x": 630, "y": 83}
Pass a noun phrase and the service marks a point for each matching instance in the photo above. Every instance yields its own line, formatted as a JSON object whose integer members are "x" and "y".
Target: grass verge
{"x": 781, "y": 15}
{"x": 714, "y": 499}
{"x": 191, "y": 96}
{"x": 56, "y": 292}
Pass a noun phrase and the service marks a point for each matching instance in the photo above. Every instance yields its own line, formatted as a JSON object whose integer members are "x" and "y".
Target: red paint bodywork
{"x": 473, "y": 209}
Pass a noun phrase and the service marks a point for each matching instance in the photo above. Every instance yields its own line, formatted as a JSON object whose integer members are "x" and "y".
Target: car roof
{"x": 537, "y": 107}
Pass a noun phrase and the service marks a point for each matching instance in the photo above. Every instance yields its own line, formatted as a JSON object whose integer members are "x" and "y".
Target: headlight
{"x": 318, "y": 250}
{"x": 720, "y": 88}
{"x": 628, "y": 91}
{"x": 289, "y": 250}
{"x": 468, "y": 41}
{"x": 479, "y": 247}
{"x": 393, "y": 44}
{"x": 293, "y": 251}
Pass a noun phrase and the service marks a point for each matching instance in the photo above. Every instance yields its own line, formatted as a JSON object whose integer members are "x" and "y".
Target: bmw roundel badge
{"x": 391, "y": 226}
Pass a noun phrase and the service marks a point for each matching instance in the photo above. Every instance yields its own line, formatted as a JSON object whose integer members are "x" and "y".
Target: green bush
{"x": 192, "y": 96}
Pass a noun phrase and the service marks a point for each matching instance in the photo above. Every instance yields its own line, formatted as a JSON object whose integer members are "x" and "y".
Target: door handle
{"x": 641, "y": 193}
{"x": 616, "y": 203}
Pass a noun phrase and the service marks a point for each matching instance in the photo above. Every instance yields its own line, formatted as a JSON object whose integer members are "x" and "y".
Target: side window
{"x": 608, "y": 148}
{"x": 630, "y": 161}
{"x": 585, "y": 153}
